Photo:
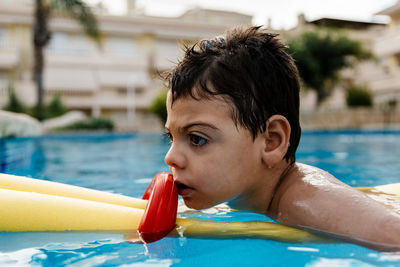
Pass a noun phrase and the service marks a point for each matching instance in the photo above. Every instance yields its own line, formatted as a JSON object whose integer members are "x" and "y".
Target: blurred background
{"x": 70, "y": 65}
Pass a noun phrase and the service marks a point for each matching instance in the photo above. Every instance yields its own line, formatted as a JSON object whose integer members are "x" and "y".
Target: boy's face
{"x": 211, "y": 158}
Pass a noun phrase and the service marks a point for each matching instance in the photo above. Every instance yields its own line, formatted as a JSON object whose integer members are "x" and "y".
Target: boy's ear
{"x": 276, "y": 140}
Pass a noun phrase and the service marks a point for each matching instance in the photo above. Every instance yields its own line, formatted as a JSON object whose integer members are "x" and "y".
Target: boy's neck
{"x": 282, "y": 177}
{"x": 261, "y": 197}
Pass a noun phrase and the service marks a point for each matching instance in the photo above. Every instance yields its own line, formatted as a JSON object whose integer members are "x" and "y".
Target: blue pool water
{"x": 125, "y": 164}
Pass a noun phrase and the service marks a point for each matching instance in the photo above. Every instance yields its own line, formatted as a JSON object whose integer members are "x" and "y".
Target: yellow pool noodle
{"x": 391, "y": 189}
{"x": 28, "y": 211}
{"x": 28, "y": 204}
{"x": 26, "y": 184}
{"x": 189, "y": 227}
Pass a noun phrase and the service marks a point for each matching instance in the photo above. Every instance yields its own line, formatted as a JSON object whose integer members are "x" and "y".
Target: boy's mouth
{"x": 183, "y": 189}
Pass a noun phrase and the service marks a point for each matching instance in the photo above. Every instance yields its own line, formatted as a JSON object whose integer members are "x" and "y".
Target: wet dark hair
{"x": 250, "y": 67}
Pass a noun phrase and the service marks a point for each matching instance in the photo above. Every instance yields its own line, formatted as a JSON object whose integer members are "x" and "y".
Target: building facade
{"x": 120, "y": 79}
{"x": 387, "y": 49}
{"x": 117, "y": 80}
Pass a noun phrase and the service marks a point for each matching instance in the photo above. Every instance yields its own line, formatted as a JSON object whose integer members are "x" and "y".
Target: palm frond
{"x": 79, "y": 10}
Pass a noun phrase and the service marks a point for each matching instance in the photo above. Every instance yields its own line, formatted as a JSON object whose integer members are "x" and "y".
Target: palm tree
{"x": 76, "y": 9}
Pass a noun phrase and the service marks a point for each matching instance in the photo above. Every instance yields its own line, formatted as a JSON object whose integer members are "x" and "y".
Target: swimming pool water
{"x": 125, "y": 163}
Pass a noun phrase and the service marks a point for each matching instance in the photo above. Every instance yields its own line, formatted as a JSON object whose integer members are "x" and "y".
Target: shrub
{"x": 358, "y": 96}
{"x": 92, "y": 124}
{"x": 38, "y": 113}
{"x": 56, "y": 107}
{"x": 158, "y": 106}
{"x": 14, "y": 104}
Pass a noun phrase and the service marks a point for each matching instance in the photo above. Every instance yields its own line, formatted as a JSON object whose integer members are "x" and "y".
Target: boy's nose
{"x": 175, "y": 158}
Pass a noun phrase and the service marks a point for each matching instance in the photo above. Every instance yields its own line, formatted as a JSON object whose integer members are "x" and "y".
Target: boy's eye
{"x": 168, "y": 136}
{"x": 197, "y": 140}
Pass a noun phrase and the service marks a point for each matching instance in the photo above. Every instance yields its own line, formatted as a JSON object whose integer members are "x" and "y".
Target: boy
{"x": 233, "y": 121}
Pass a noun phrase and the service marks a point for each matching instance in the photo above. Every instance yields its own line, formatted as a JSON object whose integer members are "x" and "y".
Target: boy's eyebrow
{"x": 200, "y": 124}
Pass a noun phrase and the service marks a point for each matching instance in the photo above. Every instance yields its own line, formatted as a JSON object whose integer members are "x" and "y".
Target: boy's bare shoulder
{"x": 306, "y": 187}
{"x": 314, "y": 199}
{"x": 311, "y": 195}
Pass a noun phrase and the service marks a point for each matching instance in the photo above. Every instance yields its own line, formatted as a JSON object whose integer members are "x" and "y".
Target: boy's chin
{"x": 190, "y": 203}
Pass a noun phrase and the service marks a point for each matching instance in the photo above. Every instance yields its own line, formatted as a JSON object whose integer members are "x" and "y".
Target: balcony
{"x": 388, "y": 43}
{"x": 9, "y": 56}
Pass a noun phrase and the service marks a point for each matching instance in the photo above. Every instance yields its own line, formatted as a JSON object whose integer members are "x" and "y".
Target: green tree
{"x": 158, "y": 106}
{"x": 320, "y": 55}
{"x": 14, "y": 104}
{"x": 56, "y": 107}
{"x": 358, "y": 96}
{"x": 76, "y": 9}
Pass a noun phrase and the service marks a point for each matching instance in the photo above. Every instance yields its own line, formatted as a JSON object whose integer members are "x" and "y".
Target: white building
{"x": 118, "y": 80}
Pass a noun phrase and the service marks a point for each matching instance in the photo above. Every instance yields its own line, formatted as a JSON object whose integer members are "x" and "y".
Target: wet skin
{"x": 313, "y": 199}
{"x": 213, "y": 160}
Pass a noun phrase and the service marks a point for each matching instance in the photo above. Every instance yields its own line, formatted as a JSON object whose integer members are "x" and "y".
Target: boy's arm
{"x": 322, "y": 203}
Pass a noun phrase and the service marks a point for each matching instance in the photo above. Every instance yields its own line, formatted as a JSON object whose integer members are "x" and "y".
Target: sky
{"x": 282, "y": 13}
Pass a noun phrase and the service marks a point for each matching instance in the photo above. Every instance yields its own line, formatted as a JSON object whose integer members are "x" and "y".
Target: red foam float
{"x": 159, "y": 217}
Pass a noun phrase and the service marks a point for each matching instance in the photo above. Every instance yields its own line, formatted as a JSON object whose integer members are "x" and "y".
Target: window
{"x": 58, "y": 42}
{"x": 122, "y": 47}
{"x": 2, "y": 37}
{"x": 79, "y": 44}
{"x": 68, "y": 44}
{"x": 166, "y": 54}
